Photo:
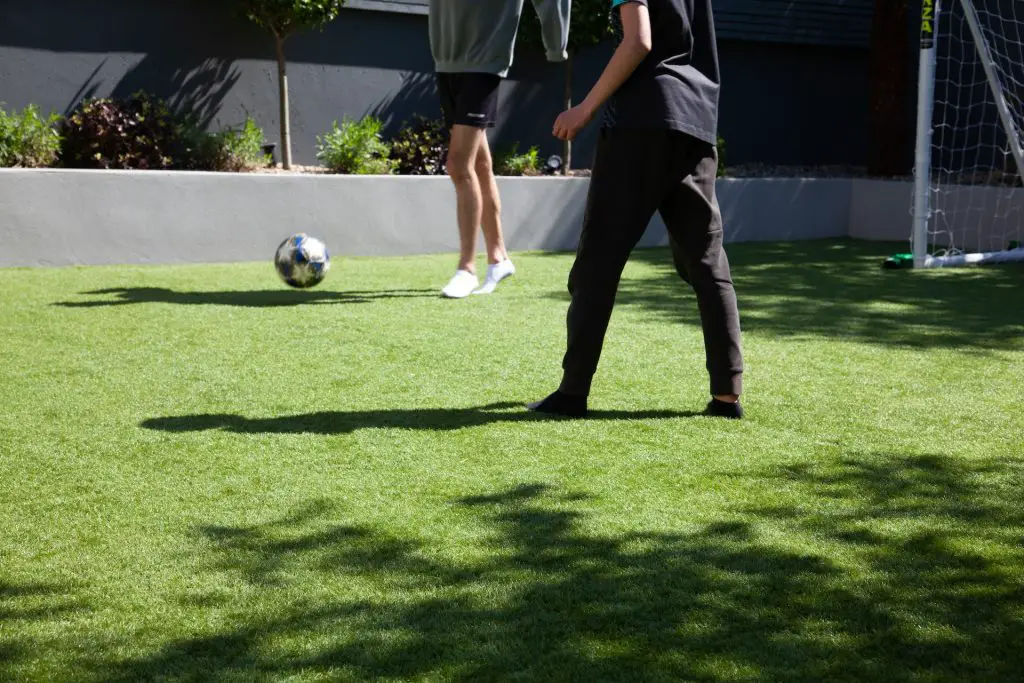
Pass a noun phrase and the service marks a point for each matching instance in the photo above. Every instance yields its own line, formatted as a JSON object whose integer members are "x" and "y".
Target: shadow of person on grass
{"x": 547, "y": 593}
{"x": 345, "y": 422}
{"x": 258, "y": 299}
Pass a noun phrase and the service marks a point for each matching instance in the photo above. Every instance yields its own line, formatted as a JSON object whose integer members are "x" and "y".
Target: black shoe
{"x": 558, "y": 403}
{"x": 730, "y": 411}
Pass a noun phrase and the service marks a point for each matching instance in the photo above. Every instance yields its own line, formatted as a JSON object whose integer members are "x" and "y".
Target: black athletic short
{"x": 469, "y": 99}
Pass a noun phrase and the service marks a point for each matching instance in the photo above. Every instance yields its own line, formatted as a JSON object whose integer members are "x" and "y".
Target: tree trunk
{"x": 890, "y": 141}
{"x": 567, "y": 145}
{"x": 286, "y": 127}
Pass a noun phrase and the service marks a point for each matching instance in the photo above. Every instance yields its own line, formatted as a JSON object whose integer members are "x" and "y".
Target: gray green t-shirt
{"x": 478, "y": 36}
{"x": 677, "y": 86}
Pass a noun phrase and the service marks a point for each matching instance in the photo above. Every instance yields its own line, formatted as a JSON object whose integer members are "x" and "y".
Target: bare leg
{"x": 462, "y": 168}
{"x": 491, "y": 216}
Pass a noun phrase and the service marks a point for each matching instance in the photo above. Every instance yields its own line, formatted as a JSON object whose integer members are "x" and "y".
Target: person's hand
{"x": 569, "y": 123}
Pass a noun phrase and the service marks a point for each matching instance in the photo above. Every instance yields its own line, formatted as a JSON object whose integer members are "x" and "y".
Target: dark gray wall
{"x": 805, "y": 22}
{"x": 968, "y": 133}
{"x": 782, "y": 103}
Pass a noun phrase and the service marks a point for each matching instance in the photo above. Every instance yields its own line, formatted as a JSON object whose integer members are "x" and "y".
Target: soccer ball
{"x": 302, "y": 261}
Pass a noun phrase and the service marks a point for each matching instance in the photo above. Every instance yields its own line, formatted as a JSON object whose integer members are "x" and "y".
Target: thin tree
{"x": 591, "y": 25}
{"x": 283, "y": 18}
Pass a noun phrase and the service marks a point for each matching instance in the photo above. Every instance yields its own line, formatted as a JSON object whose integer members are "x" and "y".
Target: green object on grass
{"x": 900, "y": 261}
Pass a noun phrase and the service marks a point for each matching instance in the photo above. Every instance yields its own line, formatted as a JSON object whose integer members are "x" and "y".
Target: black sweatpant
{"x": 638, "y": 172}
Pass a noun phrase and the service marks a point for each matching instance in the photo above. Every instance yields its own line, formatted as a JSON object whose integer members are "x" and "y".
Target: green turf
{"x": 206, "y": 477}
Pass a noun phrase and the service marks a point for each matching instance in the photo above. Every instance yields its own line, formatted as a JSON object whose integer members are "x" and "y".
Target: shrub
{"x": 138, "y": 132}
{"x": 197, "y": 149}
{"x": 232, "y": 150}
{"x": 421, "y": 149}
{"x": 356, "y": 147}
{"x": 511, "y": 163}
{"x": 242, "y": 148}
{"x": 27, "y": 139}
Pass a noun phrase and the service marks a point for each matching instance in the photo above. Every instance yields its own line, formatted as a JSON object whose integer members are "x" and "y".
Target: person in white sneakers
{"x": 472, "y": 42}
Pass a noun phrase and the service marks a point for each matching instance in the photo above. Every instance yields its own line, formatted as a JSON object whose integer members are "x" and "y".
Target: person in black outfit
{"x": 657, "y": 152}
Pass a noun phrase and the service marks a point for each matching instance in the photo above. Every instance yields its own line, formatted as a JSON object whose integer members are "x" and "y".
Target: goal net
{"x": 969, "y": 197}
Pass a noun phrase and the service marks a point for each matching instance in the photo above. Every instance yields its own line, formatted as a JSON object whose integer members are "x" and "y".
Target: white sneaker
{"x": 495, "y": 274}
{"x": 461, "y": 285}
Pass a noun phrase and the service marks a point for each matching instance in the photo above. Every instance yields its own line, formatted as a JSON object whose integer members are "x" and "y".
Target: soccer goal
{"x": 968, "y": 197}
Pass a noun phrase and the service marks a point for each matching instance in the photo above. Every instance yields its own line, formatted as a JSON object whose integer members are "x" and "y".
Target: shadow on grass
{"x": 24, "y": 605}
{"x": 843, "y": 595}
{"x": 35, "y": 600}
{"x": 257, "y": 299}
{"x": 345, "y": 422}
{"x": 837, "y": 289}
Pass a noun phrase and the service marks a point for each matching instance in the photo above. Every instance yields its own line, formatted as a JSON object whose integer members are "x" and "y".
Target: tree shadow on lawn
{"x": 35, "y": 600}
{"x": 259, "y": 298}
{"x": 23, "y": 604}
{"x": 550, "y": 599}
{"x": 837, "y": 289}
{"x": 346, "y": 422}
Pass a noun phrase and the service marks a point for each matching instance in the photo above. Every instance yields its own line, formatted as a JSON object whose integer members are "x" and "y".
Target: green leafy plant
{"x": 198, "y": 150}
{"x": 241, "y": 149}
{"x": 138, "y": 132}
{"x": 356, "y": 147}
{"x": 283, "y": 18}
{"x": 27, "y": 139}
{"x": 421, "y": 148}
{"x": 511, "y": 163}
{"x": 231, "y": 150}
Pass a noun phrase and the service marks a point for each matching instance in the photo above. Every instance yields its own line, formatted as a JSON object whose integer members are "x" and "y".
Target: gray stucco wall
{"x": 59, "y": 218}
{"x": 782, "y": 103}
{"x": 981, "y": 218}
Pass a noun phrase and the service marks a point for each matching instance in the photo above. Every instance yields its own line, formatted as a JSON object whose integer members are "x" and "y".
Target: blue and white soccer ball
{"x": 302, "y": 261}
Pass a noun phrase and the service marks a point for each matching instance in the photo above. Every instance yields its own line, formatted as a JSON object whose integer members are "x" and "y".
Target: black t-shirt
{"x": 677, "y": 86}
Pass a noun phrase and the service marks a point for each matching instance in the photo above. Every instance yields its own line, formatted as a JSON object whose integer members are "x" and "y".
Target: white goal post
{"x": 969, "y": 162}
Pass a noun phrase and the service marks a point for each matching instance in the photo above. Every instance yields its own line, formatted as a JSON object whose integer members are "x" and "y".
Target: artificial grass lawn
{"x": 207, "y": 477}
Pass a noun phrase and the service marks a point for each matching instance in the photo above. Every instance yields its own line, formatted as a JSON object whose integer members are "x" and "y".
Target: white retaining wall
{"x": 59, "y": 218}
{"x": 982, "y": 218}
